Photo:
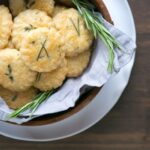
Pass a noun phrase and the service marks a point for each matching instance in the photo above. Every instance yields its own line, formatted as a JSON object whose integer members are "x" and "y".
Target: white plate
{"x": 99, "y": 107}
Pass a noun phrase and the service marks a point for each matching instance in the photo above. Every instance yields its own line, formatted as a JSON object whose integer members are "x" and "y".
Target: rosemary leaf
{"x": 20, "y": 110}
{"x": 41, "y": 50}
{"x": 38, "y": 77}
{"x": 77, "y": 28}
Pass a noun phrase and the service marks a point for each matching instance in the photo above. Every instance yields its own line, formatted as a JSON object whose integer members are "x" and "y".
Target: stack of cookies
{"x": 41, "y": 44}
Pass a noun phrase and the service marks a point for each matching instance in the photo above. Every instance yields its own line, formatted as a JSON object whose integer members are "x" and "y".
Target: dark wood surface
{"x": 127, "y": 126}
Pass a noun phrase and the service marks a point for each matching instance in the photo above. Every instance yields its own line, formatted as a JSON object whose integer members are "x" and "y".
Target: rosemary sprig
{"x": 77, "y": 28}
{"x": 96, "y": 26}
{"x": 32, "y": 106}
{"x": 9, "y": 73}
{"x": 41, "y": 50}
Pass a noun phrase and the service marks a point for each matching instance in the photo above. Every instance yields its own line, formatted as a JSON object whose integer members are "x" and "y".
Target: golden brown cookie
{"x": 5, "y": 26}
{"x": 17, "y": 6}
{"x": 77, "y": 38}
{"x": 77, "y": 64}
{"x": 44, "y": 5}
{"x": 41, "y": 50}
{"x": 53, "y": 79}
{"x": 17, "y": 100}
{"x": 14, "y": 74}
{"x": 28, "y": 21}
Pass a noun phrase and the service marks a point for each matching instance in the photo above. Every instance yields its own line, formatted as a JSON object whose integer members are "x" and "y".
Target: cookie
{"x": 44, "y": 5}
{"x": 5, "y": 26}
{"x": 77, "y": 38}
{"x": 14, "y": 74}
{"x": 27, "y": 21}
{"x": 51, "y": 80}
{"x": 17, "y": 100}
{"x": 58, "y": 9}
{"x": 41, "y": 50}
{"x": 77, "y": 64}
{"x": 17, "y": 6}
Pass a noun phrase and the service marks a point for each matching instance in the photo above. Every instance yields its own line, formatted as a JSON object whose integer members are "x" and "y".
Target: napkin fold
{"x": 95, "y": 75}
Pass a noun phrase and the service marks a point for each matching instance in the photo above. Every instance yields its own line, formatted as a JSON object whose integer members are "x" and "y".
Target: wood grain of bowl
{"x": 86, "y": 98}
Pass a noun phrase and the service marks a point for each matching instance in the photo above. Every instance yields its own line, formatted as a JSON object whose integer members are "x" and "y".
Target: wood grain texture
{"x": 127, "y": 126}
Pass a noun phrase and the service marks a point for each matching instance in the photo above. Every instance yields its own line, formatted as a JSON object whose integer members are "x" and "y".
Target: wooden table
{"x": 127, "y": 126}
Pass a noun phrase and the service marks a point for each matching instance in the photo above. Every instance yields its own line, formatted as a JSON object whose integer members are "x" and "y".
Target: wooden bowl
{"x": 85, "y": 99}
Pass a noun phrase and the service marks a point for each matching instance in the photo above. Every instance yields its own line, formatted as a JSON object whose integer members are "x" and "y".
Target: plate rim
{"x": 88, "y": 126}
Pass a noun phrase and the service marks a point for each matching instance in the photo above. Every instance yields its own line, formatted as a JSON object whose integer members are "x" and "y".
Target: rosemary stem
{"x": 96, "y": 26}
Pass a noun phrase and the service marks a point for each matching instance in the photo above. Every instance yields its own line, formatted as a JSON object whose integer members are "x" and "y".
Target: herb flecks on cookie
{"x": 9, "y": 73}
